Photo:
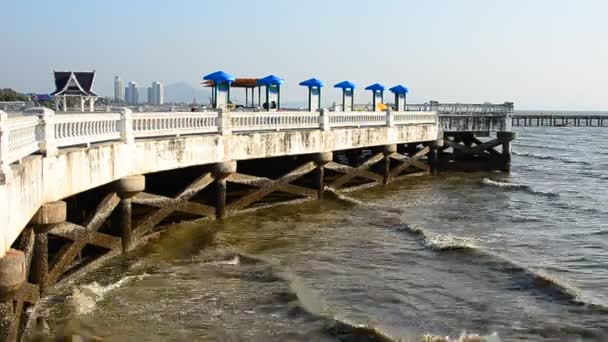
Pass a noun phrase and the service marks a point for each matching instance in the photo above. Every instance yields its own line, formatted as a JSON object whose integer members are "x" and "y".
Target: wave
{"x": 300, "y": 299}
{"x": 542, "y": 147}
{"x": 84, "y": 298}
{"x": 516, "y": 186}
{"x": 441, "y": 242}
{"x": 546, "y": 157}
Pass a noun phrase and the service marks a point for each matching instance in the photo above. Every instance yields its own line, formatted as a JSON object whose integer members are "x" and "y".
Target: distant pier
{"x": 552, "y": 120}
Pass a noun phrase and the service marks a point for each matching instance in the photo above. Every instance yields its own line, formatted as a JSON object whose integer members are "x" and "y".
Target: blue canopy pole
{"x": 314, "y": 89}
{"x": 376, "y": 88}
{"x": 270, "y": 81}
{"x": 220, "y": 78}
{"x": 400, "y": 94}
{"x": 348, "y": 88}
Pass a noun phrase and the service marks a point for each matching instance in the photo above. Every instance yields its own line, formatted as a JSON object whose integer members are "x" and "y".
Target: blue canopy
{"x": 399, "y": 89}
{"x": 375, "y": 87}
{"x": 219, "y": 77}
{"x": 270, "y": 80}
{"x": 345, "y": 85}
{"x": 312, "y": 83}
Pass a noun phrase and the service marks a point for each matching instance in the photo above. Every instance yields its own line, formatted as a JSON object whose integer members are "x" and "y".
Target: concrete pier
{"x": 95, "y": 195}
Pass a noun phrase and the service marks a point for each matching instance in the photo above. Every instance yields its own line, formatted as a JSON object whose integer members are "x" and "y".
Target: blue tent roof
{"x": 219, "y": 76}
{"x": 345, "y": 85}
{"x": 399, "y": 89}
{"x": 375, "y": 87}
{"x": 313, "y": 82}
{"x": 270, "y": 80}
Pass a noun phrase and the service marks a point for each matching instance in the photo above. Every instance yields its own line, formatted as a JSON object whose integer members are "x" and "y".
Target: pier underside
{"x": 468, "y": 151}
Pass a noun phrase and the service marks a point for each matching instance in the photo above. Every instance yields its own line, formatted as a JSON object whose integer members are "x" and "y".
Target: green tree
{"x": 8, "y": 94}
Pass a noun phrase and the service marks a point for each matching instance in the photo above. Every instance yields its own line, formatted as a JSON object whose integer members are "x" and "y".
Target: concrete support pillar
{"x": 434, "y": 155}
{"x": 126, "y": 188}
{"x": 126, "y": 226}
{"x": 12, "y": 277}
{"x": 387, "y": 150}
{"x": 220, "y": 172}
{"x": 321, "y": 159}
{"x": 40, "y": 261}
{"x": 48, "y": 216}
{"x": 12, "y": 274}
{"x": 505, "y": 138}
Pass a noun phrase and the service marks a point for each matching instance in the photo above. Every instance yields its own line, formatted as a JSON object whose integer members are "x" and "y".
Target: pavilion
{"x": 249, "y": 84}
{"x": 74, "y": 84}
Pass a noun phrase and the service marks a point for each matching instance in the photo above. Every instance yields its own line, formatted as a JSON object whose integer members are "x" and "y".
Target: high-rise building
{"x": 132, "y": 94}
{"x": 119, "y": 90}
{"x": 150, "y": 95}
{"x": 156, "y": 94}
{"x": 159, "y": 93}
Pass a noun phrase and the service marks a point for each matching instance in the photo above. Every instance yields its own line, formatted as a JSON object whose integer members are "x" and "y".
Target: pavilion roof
{"x": 399, "y": 89}
{"x": 312, "y": 83}
{"x": 79, "y": 83}
{"x": 219, "y": 76}
{"x": 375, "y": 87}
{"x": 270, "y": 80}
{"x": 237, "y": 83}
{"x": 345, "y": 85}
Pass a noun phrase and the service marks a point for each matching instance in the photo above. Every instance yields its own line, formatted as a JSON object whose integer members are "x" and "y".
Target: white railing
{"x": 20, "y": 137}
{"x": 41, "y": 130}
{"x": 85, "y": 129}
{"x": 264, "y": 121}
{"x": 173, "y": 124}
{"x": 408, "y": 118}
{"x": 463, "y": 108}
{"x": 358, "y": 119}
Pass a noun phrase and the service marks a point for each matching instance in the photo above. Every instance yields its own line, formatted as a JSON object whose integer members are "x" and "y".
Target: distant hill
{"x": 184, "y": 92}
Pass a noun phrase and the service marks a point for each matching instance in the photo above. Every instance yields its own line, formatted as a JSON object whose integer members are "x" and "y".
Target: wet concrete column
{"x": 387, "y": 150}
{"x": 505, "y": 138}
{"x": 434, "y": 155}
{"x": 7, "y": 320}
{"x": 12, "y": 278}
{"x": 220, "y": 172}
{"x": 46, "y": 218}
{"x": 321, "y": 159}
{"x": 127, "y": 188}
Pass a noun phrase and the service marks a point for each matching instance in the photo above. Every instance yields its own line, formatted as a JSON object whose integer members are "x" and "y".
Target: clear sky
{"x": 540, "y": 54}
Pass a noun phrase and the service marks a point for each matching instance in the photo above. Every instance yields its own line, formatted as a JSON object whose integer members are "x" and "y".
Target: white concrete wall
{"x": 39, "y": 179}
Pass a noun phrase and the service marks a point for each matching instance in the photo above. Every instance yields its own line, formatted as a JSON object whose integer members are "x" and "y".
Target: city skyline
{"x": 132, "y": 93}
{"x": 540, "y": 55}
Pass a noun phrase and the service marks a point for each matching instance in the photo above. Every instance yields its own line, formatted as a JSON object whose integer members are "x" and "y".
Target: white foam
{"x": 441, "y": 241}
{"x": 235, "y": 261}
{"x": 502, "y": 184}
{"x": 84, "y": 298}
{"x": 464, "y": 337}
{"x": 523, "y": 187}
